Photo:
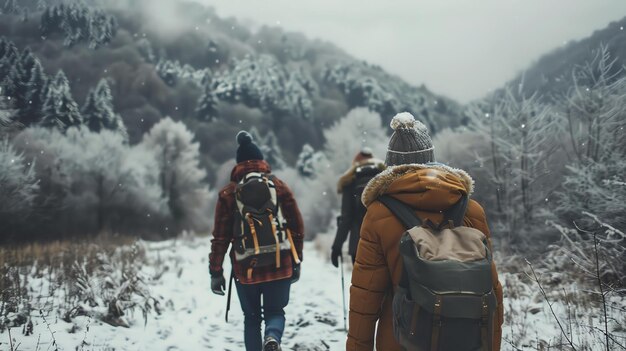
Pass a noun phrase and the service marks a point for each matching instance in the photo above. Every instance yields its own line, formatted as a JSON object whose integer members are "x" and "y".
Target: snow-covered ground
{"x": 192, "y": 318}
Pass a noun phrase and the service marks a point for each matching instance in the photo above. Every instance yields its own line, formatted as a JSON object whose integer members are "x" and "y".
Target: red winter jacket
{"x": 224, "y": 225}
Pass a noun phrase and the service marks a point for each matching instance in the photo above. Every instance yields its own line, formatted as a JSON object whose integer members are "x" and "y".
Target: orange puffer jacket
{"x": 429, "y": 189}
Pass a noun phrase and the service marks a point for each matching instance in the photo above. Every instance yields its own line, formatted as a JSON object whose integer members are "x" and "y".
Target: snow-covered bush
{"x": 109, "y": 285}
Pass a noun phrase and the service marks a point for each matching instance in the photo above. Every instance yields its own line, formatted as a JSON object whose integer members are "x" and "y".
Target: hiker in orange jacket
{"x": 428, "y": 188}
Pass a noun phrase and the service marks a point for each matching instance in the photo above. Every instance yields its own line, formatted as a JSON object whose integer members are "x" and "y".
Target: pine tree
{"x": 20, "y": 75}
{"x": 8, "y": 122}
{"x": 28, "y": 62}
{"x": 4, "y": 47}
{"x": 59, "y": 109}
{"x": 98, "y": 111}
{"x": 207, "y": 105}
{"x": 11, "y": 83}
{"x": 35, "y": 96}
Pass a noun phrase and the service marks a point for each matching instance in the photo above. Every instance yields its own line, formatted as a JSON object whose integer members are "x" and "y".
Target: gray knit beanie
{"x": 410, "y": 142}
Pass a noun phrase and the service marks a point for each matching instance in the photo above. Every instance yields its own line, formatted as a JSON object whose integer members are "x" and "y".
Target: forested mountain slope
{"x": 179, "y": 59}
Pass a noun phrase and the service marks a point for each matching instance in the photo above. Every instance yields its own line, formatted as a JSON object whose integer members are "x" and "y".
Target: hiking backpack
{"x": 445, "y": 300}
{"x": 261, "y": 233}
{"x": 362, "y": 175}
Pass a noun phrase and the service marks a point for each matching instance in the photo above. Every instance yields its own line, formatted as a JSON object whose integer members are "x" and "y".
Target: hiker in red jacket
{"x": 257, "y": 214}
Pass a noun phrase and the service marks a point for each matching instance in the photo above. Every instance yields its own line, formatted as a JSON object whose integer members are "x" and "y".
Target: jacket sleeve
{"x": 370, "y": 282}
{"x": 222, "y": 230}
{"x": 480, "y": 222}
{"x": 347, "y": 216}
{"x": 292, "y": 215}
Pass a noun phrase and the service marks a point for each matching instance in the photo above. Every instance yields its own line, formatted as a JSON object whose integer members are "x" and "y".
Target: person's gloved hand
{"x": 334, "y": 256}
{"x": 218, "y": 283}
{"x": 295, "y": 276}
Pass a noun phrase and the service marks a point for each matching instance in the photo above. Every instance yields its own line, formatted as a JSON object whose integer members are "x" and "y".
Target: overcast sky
{"x": 460, "y": 48}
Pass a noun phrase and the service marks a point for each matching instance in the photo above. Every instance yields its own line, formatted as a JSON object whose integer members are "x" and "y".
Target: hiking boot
{"x": 271, "y": 344}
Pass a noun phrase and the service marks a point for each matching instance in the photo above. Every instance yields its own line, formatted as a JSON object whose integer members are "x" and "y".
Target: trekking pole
{"x": 230, "y": 289}
{"x": 343, "y": 294}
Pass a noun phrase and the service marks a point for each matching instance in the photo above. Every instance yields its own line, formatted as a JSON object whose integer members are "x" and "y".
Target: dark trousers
{"x": 275, "y": 297}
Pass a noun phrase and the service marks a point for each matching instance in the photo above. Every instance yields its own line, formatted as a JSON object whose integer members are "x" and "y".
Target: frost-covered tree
{"x": 8, "y": 120}
{"x": 344, "y": 139}
{"x": 207, "y": 105}
{"x": 78, "y": 22}
{"x": 9, "y": 57}
{"x": 59, "y": 109}
{"x": 181, "y": 178}
{"x": 35, "y": 96}
{"x": 524, "y": 137}
{"x": 172, "y": 72}
{"x": 98, "y": 111}
{"x": 19, "y": 186}
{"x": 359, "y": 128}
{"x": 268, "y": 144}
{"x": 16, "y": 81}
{"x": 310, "y": 161}
{"x": 272, "y": 152}
{"x": 93, "y": 182}
{"x": 305, "y": 163}
{"x": 365, "y": 85}
{"x": 595, "y": 116}
{"x": 261, "y": 82}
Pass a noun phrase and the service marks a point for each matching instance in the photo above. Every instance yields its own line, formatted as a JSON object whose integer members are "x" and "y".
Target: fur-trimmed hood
{"x": 348, "y": 177}
{"x": 417, "y": 178}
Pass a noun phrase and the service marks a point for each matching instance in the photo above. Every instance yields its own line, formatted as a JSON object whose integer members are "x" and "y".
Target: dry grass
{"x": 100, "y": 277}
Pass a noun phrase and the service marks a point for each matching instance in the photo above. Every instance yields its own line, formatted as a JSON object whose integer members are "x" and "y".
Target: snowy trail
{"x": 193, "y": 318}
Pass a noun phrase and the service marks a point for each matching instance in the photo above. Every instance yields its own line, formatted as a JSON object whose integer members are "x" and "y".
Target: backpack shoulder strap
{"x": 403, "y": 212}
{"x": 456, "y": 213}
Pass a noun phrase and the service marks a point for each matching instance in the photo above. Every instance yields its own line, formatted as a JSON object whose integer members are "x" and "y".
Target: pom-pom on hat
{"x": 410, "y": 142}
{"x": 247, "y": 149}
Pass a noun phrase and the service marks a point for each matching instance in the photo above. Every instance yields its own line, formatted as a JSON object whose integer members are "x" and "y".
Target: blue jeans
{"x": 275, "y": 298}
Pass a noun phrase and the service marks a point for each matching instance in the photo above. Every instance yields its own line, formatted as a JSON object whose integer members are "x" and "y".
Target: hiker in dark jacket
{"x": 429, "y": 188}
{"x": 269, "y": 284}
{"x": 350, "y": 186}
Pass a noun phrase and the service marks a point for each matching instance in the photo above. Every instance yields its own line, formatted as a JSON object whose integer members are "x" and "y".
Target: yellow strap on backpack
{"x": 293, "y": 247}
{"x": 254, "y": 236}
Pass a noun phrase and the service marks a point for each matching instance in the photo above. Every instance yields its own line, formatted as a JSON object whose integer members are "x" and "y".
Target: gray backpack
{"x": 445, "y": 300}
